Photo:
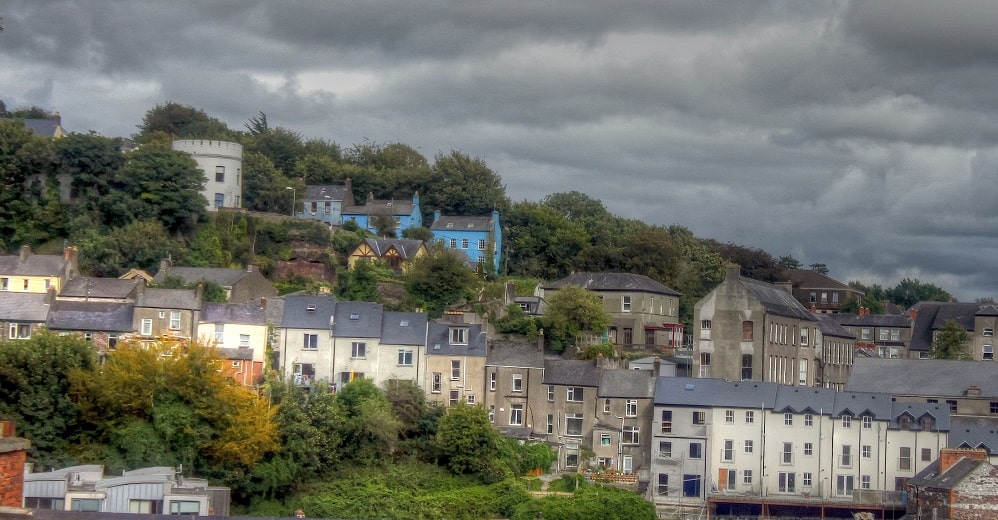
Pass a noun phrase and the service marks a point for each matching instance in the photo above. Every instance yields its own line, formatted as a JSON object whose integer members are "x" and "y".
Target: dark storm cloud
{"x": 863, "y": 135}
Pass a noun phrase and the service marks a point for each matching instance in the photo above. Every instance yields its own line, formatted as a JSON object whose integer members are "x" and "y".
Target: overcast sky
{"x": 862, "y": 135}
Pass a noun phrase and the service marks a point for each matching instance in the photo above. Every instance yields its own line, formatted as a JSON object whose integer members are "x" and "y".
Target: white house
{"x": 222, "y": 164}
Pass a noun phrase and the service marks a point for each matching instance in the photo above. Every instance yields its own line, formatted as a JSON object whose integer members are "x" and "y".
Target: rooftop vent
{"x": 310, "y": 307}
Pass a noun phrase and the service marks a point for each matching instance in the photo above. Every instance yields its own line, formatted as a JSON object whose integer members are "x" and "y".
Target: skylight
{"x": 355, "y": 316}
{"x": 310, "y": 307}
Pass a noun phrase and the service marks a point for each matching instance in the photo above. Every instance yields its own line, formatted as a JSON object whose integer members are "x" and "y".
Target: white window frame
{"x": 631, "y": 408}
{"x": 625, "y": 303}
{"x": 146, "y": 327}
{"x": 459, "y": 335}
{"x": 517, "y": 382}
{"x": 358, "y": 350}
{"x": 405, "y": 357}
{"x": 244, "y": 340}
{"x": 516, "y": 415}
{"x": 174, "y": 320}
{"x": 309, "y": 341}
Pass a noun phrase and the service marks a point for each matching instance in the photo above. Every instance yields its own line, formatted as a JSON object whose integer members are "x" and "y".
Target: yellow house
{"x": 396, "y": 252}
{"x": 31, "y": 273}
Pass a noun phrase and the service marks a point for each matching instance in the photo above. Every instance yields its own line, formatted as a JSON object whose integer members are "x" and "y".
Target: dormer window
{"x": 470, "y": 226}
{"x": 459, "y": 336}
{"x": 928, "y": 423}
{"x": 310, "y": 307}
{"x": 450, "y": 225}
{"x": 905, "y": 422}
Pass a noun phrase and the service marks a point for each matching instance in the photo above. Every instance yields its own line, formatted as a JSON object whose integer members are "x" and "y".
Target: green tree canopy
{"x": 462, "y": 185}
{"x": 469, "y": 445}
{"x": 158, "y": 184}
{"x": 182, "y": 122}
{"x": 951, "y": 342}
{"x": 438, "y": 279}
{"x": 573, "y": 311}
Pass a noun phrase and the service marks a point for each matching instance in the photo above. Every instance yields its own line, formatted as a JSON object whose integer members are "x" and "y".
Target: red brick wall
{"x": 950, "y": 456}
{"x": 12, "y": 477}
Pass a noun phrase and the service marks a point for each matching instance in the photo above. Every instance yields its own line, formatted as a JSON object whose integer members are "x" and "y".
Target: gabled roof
{"x": 382, "y": 207}
{"x": 89, "y": 287}
{"x": 242, "y": 313}
{"x": 96, "y": 316}
{"x": 613, "y": 282}
{"x": 308, "y": 312}
{"x": 438, "y": 340}
{"x": 898, "y": 321}
{"x": 478, "y": 224}
{"x": 949, "y": 479}
{"x": 932, "y": 316}
{"x": 571, "y": 372}
{"x": 406, "y": 248}
{"x": 688, "y": 391}
{"x": 512, "y": 353}
{"x": 32, "y": 265}
{"x": 28, "y": 307}
{"x": 811, "y": 279}
{"x": 43, "y": 127}
{"x": 939, "y": 413}
{"x": 223, "y": 277}
{"x": 358, "y": 320}
{"x": 638, "y": 384}
{"x": 333, "y": 192}
{"x": 974, "y": 432}
{"x": 857, "y": 404}
{"x": 929, "y": 377}
{"x": 776, "y": 300}
{"x": 829, "y": 326}
{"x": 186, "y": 299}
{"x": 802, "y": 399}
{"x": 403, "y": 328}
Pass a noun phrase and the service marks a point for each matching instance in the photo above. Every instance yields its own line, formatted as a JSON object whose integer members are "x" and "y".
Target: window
{"x": 574, "y": 394}
{"x": 844, "y": 484}
{"x": 663, "y": 484}
{"x": 492, "y": 381}
{"x": 988, "y": 331}
{"x": 453, "y": 243}
{"x": 665, "y": 449}
{"x": 846, "y": 421}
{"x": 704, "y": 329}
{"x": 436, "y": 382}
{"x": 220, "y": 174}
{"x": 806, "y": 479}
{"x": 459, "y": 336}
{"x": 846, "y": 458}
{"x": 988, "y": 353}
{"x": 88, "y": 337}
{"x": 802, "y": 379}
{"x": 86, "y": 504}
{"x": 481, "y": 245}
{"x": 516, "y": 415}
{"x": 952, "y": 405}
{"x": 926, "y": 454}
{"x": 174, "y": 320}
{"x": 699, "y": 418}
{"x": 824, "y": 297}
{"x": 788, "y": 419}
{"x": 864, "y": 333}
{"x": 311, "y": 340}
{"x": 551, "y": 393}
{"x": 749, "y": 416}
{"x": 470, "y": 398}
{"x": 625, "y": 304}
{"x": 405, "y": 357}
{"x": 550, "y": 424}
{"x": 787, "y": 455}
{"x": 631, "y": 435}
{"x": 729, "y": 417}
{"x": 904, "y": 422}
{"x": 732, "y": 479}
{"x": 147, "y": 327}
{"x": 705, "y": 364}
{"x": 808, "y": 420}
{"x": 58, "y": 504}
{"x": 244, "y": 340}
{"x": 803, "y": 336}
{"x": 884, "y": 334}
{"x": 112, "y": 340}
{"x": 464, "y": 243}
{"x": 628, "y": 336}
{"x": 454, "y": 397}
{"x": 358, "y": 349}
{"x": 346, "y": 377}
{"x": 219, "y": 200}
{"x": 747, "y": 476}
{"x": 4, "y": 284}
{"x": 749, "y": 446}
{"x": 787, "y": 484}
{"x": 455, "y": 369}
{"x": 747, "y": 331}
{"x": 813, "y": 297}
{"x": 631, "y": 408}
{"x": 649, "y": 336}
{"x": 808, "y": 449}
{"x": 867, "y": 422}
{"x": 904, "y": 458}
{"x": 728, "y": 452}
{"x": 696, "y": 450}
{"x": 866, "y": 451}
{"x": 327, "y": 208}
{"x": 746, "y": 367}
{"x": 314, "y": 207}
{"x": 20, "y": 331}
{"x": 993, "y": 408}
{"x": 573, "y": 424}
{"x": 517, "y": 382}
{"x": 666, "y": 421}
{"x": 864, "y": 482}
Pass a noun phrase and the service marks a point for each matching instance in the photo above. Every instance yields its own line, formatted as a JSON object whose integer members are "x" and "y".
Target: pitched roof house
{"x": 326, "y": 202}
{"x": 101, "y": 322}
{"x": 240, "y": 333}
{"x": 968, "y": 387}
{"x": 396, "y": 252}
{"x": 979, "y": 320}
{"x": 455, "y": 363}
{"x": 241, "y": 285}
{"x": 22, "y": 314}
{"x": 28, "y": 272}
{"x": 820, "y": 292}
{"x": 371, "y": 216}
{"x": 478, "y": 237}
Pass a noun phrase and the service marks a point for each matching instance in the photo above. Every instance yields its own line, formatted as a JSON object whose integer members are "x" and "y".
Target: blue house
{"x": 405, "y": 214}
{"x": 325, "y": 202}
{"x": 477, "y": 237}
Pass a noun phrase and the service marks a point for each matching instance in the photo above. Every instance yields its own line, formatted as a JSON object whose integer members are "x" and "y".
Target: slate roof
{"x": 829, "y": 326}
{"x": 974, "y": 432}
{"x": 86, "y": 286}
{"x": 223, "y": 277}
{"x": 30, "y": 307}
{"x": 811, "y": 279}
{"x": 802, "y": 399}
{"x": 42, "y": 127}
{"x": 638, "y": 384}
{"x": 776, "y": 300}
{"x": 571, "y": 372}
{"x": 332, "y": 192}
{"x": 382, "y": 207}
{"x": 98, "y": 316}
{"x": 898, "y": 321}
{"x": 511, "y": 353}
{"x": 688, "y": 391}
{"x": 405, "y": 247}
{"x": 32, "y": 265}
{"x": 403, "y": 328}
{"x": 236, "y": 354}
{"x": 863, "y": 403}
{"x": 950, "y": 479}
{"x": 939, "y": 412}
{"x": 358, "y": 320}
{"x": 929, "y": 377}
{"x": 934, "y": 315}
{"x": 463, "y": 223}
{"x": 298, "y": 316}
{"x": 244, "y": 313}
{"x": 612, "y": 282}
{"x": 438, "y": 340}
{"x": 186, "y": 299}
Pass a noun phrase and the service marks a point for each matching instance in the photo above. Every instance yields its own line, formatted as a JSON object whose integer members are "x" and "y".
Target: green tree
{"x": 589, "y": 502}
{"x": 438, "y": 279}
{"x": 469, "y": 445}
{"x": 181, "y": 122}
{"x": 571, "y": 312}
{"x": 91, "y": 161}
{"x": 462, "y": 185}
{"x": 911, "y": 291}
{"x": 418, "y": 233}
{"x": 368, "y": 427}
{"x": 541, "y": 242}
{"x": 265, "y": 187}
{"x": 158, "y": 184}
{"x": 360, "y": 283}
{"x": 283, "y": 147}
{"x": 951, "y": 342}
{"x": 140, "y": 244}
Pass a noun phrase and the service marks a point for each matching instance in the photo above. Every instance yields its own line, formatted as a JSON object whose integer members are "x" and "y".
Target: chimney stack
{"x": 540, "y": 340}
{"x": 950, "y": 456}
{"x": 657, "y": 367}
{"x": 973, "y": 390}
{"x": 25, "y": 252}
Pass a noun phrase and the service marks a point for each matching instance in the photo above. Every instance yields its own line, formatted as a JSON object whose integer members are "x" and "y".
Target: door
{"x": 627, "y": 464}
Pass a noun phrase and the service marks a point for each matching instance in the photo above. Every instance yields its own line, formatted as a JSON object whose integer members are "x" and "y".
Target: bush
{"x": 590, "y": 502}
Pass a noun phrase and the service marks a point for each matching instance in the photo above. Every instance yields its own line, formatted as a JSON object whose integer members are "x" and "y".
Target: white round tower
{"x": 222, "y": 164}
